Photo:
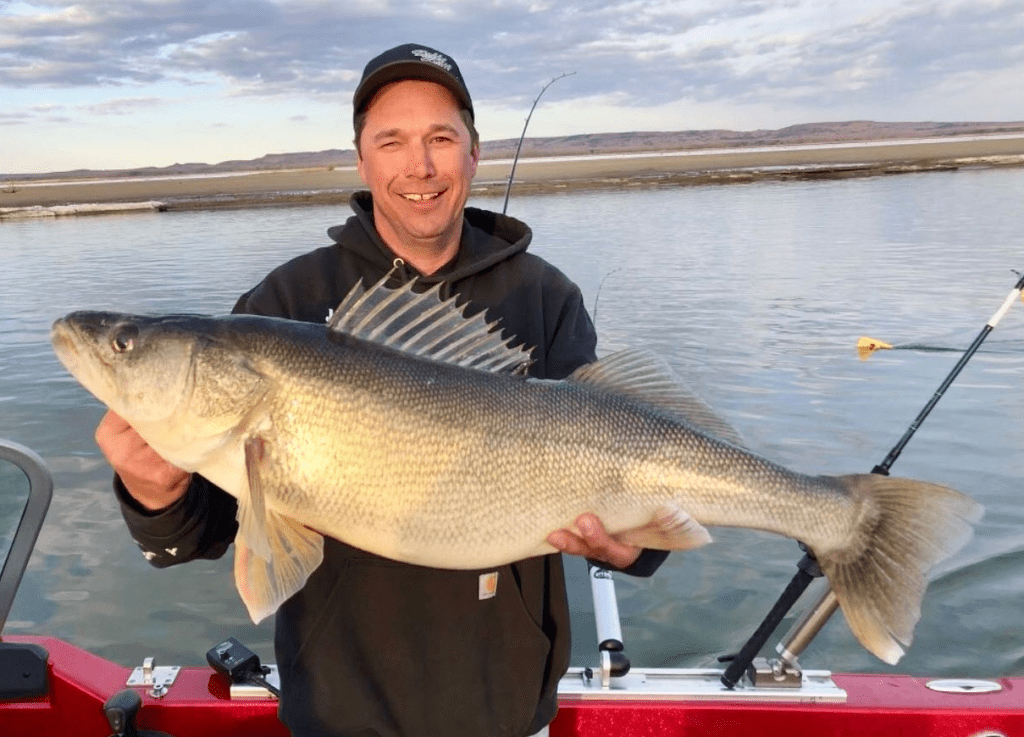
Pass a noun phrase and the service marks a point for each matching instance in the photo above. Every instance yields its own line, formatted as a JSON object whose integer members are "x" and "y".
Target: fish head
{"x": 180, "y": 371}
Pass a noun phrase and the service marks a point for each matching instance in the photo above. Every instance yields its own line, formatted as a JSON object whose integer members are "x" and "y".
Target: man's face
{"x": 417, "y": 159}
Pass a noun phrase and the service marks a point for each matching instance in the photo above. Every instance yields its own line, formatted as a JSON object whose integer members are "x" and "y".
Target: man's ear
{"x": 359, "y": 165}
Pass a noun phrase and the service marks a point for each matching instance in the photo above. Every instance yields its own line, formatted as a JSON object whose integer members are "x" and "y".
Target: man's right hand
{"x": 152, "y": 481}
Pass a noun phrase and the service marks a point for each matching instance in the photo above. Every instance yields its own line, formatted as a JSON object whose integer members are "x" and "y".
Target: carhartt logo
{"x": 488, "y": 585}
{"x": 432, "y": 57}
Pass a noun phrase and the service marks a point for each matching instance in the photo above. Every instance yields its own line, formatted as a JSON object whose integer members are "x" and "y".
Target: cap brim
{"x": 401, "y": 70}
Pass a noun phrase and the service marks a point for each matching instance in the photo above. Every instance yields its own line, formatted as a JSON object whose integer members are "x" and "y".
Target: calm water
{"x": 755, "y": 293}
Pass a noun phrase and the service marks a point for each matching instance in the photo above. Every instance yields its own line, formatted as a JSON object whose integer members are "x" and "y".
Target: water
{"x": 756, "y": 294}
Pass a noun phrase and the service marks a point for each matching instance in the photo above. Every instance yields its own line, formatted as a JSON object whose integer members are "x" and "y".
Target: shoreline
{"x": 533, "y": 176}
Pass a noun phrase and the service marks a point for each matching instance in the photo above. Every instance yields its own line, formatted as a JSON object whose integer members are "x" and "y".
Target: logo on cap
{"x": 432, "y": 57}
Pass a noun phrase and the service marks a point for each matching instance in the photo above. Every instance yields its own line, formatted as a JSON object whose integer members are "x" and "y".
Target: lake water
{"x": 755, "y": 293}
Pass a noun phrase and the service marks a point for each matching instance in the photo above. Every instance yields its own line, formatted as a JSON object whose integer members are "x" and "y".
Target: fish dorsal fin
{"x": 646, "y": 377}
{"x": 423, "y": 324}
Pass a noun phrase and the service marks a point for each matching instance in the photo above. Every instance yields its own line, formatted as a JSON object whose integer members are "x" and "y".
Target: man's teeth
{"x": 421, "y": 197}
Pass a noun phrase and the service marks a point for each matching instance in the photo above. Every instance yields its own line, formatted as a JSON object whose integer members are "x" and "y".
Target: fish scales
{"x": 456, "y": 449}
{"x": 357, "y": 431}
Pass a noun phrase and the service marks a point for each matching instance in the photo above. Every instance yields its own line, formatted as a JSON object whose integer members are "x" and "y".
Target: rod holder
{"x": 806, "y": 628}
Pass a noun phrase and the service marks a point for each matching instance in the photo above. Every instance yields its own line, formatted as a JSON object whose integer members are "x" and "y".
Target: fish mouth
{"x": 63, "y": 339}
{"x": 74, "y": 343}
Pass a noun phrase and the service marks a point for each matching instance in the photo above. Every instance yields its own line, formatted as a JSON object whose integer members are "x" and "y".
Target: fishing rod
{"x": 512, "y": 173}
{"x": 614, "y": 662}
{"x": 801, "y": 634}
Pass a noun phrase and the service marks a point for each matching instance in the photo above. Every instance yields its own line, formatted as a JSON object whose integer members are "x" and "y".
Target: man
{"x": 371, "y": 646}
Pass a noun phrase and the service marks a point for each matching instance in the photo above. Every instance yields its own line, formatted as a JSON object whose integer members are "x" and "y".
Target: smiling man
{"x": 418, "y": 156}
{"x": 370, "y": 646}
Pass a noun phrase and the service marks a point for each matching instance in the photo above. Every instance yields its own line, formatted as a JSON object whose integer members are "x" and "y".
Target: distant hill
{"x": 592, "y": 143}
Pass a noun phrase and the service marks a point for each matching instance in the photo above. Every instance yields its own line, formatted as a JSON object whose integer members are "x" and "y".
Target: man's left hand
{"x": 594, "y": 542}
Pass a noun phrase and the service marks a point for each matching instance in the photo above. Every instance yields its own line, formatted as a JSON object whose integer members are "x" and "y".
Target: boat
{"x": 51, "y": 687}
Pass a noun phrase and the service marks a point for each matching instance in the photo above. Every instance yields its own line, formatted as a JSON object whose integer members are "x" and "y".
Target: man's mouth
{"x": 415, "y": 197}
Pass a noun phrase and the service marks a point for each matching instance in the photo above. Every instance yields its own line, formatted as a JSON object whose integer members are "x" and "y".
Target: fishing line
{"x": 800, "y": 636}
{"x": 515, "y": 159}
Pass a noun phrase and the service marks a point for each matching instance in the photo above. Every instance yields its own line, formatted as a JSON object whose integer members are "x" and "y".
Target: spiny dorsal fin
{"x": 646, "y": 377}
{"x": 425, "y": 325}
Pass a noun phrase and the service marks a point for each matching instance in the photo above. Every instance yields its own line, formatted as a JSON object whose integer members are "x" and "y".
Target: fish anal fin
{"x": 670, "y": 529}
{"x": 646, "y": 377}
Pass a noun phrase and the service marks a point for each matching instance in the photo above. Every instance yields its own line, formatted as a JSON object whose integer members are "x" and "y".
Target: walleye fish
{"x": 405, "y": 429}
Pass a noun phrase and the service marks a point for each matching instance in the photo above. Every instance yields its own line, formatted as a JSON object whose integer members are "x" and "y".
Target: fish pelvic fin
{"x": 274, "y": 554}
{"x": 670, "y": 529}
{"x": 905, "y": 528}
{"x": 265, "y": 584}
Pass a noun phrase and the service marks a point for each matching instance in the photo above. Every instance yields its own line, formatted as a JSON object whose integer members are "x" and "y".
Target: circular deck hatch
{"x": 963, "y": 685}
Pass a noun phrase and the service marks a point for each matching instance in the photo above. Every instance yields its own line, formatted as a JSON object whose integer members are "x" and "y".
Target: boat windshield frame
{"x": 40, "y": 494}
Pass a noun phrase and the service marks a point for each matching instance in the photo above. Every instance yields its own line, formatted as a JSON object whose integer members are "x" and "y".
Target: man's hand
{"x": 594, "y": 542}
{"x": 152, "y": 481}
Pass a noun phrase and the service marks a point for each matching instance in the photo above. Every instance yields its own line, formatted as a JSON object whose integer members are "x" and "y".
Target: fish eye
{"x": 124, "y": 339}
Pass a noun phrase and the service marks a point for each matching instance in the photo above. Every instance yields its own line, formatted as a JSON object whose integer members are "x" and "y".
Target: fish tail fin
{"x": 905, "y": 528}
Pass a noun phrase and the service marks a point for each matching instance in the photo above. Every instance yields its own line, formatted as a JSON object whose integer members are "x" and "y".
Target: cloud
{"x": 650, "y": 51}
{"x": 123, "y": 105}
{"x": 15, "y": 118}
{"x": 288, "y": 67}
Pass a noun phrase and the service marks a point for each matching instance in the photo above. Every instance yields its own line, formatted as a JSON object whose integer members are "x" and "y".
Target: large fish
{"x": 406, "y": 429}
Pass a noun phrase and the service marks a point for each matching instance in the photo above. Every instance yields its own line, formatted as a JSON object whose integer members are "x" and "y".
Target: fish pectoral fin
{"x": 264, "y": 583}
{"x": 670, "y": 529}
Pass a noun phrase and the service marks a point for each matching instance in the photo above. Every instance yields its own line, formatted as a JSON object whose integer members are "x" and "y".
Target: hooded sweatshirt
{"x": 371, "y": 646}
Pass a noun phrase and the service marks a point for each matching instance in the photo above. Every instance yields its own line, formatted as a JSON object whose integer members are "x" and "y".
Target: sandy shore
{"x": 322, "y": 186}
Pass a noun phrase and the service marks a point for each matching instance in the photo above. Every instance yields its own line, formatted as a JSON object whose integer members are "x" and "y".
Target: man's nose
{"x": 420, "y": 163}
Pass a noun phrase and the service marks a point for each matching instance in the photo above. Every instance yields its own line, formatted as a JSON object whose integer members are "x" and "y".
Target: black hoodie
{"x": 371, "y": 646}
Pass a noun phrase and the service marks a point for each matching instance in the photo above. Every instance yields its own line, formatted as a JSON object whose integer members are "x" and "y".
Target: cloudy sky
{"x": 122, "y": 83}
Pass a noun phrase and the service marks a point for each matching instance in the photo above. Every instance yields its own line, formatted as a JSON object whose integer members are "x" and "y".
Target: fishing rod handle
{"x": 742, "y": 660}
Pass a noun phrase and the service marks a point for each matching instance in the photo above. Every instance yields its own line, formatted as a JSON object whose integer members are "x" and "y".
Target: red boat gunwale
{"x": 198, "y": 704}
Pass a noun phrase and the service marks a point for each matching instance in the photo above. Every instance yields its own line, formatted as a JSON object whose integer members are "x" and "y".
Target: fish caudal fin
{"x": 671, "y": 529}
{"x": 879, "y": 578}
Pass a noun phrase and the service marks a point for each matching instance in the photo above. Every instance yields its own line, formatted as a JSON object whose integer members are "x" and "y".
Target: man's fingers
{"x": 567, "y": 542}
{"x": 594, "y": 542}
{"x": 112, "y": 424}
{"x": 118, "y": 440}
{"x": 150, "y": 479}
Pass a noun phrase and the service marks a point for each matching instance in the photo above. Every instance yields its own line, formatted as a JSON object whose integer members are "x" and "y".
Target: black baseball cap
{"x": 411, "y": 61}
